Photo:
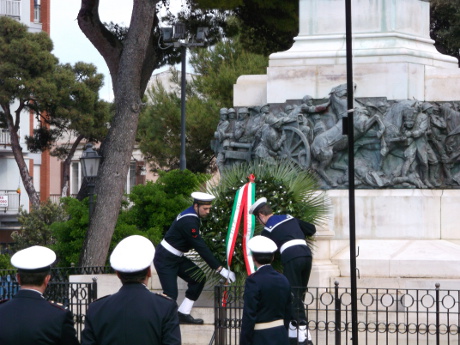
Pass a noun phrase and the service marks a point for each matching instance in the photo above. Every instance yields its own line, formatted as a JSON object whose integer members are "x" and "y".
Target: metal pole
{"x": 351, "y": 174}
{"x": 183, "y": 163}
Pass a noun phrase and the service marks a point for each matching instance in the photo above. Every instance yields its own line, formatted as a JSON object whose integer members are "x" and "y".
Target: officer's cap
{"x": 134, "y": 253}
{"x": 35, "y": 258}
{"x": 202, "y": 198}
{"x": 257, "y": 205}
{"x": 262, "y": 245}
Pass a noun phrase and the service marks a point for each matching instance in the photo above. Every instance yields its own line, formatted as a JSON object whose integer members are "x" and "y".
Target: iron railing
{"x": 73, "y": 296}
{"x": 385, "y": 316}
{"x": 61, "y": 274}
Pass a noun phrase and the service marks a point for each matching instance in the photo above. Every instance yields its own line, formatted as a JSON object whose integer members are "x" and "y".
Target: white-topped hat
{"x": 132, "y": 254}
{"x": 35, "y": 258}
{"x": 259, "y": 203}
{"x": 262, "y": 244}
{"x": 202, "y": 198}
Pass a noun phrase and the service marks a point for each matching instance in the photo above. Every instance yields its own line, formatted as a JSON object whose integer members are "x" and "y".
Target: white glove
{"x": 227, "y": 274}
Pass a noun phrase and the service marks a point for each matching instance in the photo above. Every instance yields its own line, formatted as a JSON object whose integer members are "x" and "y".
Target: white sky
{"x": 71, "y": 45}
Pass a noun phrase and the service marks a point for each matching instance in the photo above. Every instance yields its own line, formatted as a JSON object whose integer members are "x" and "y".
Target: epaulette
{"x": 163, "y": 295}
{"x": 57, "y": 304}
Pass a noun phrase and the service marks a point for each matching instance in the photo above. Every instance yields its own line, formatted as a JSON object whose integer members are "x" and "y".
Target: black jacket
{"x": 133, "y": 316}
{"x": 29, "y": 319}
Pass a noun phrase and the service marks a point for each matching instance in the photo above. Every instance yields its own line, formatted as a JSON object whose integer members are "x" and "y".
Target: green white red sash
{"x": 244, "y": 198}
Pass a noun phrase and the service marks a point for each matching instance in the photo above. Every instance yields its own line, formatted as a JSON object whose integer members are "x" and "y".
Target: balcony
{"x": 9, "y": 202}
{"x": 10, "y": 8}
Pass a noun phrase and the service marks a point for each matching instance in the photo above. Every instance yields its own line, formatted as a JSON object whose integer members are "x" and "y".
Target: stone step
{"x": 199, "y": 334}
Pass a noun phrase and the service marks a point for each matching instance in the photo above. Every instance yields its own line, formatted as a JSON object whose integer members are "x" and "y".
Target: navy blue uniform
{"x": 183, "y": 235}
{"x": 29, "y": 319}
{"x": 296, "y": 259}
{"x": 267, "y": 298}
{"x": 133, "y": 316}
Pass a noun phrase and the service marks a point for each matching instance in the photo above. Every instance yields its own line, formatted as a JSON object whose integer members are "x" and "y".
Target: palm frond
{"x": 289, "y": 190}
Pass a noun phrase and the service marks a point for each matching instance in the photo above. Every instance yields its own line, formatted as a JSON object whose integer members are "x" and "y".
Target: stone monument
{"x": 405, "y": 237}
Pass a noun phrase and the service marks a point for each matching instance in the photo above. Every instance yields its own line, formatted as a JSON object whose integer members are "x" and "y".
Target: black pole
{"x": 351, "y": 174}
{"x": 183, "y": 163}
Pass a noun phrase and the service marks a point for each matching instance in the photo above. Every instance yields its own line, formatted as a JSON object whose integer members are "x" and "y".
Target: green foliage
{"x": 27, "y": 62}
{"x": 289, "y": 190}
{"x": 70, "y": 234}
{"x": 153, "y": 208}
{"x": 155, "y": 205}
{"x": 218, "y": 69}
{"x": 36, "y": 226}
{"x": 444, "y": 28}
{"x": 267, "y": 25}
{"x": 5, "y": 263}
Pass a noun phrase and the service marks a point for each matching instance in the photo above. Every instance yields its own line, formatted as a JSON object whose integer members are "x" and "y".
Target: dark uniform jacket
{"x": 284, "y": 228}
{"x": 267, "y": 297}
{"x": 132, "y": 316}
{"x": 184, "y": 234}
{"x": 29, "y": 319}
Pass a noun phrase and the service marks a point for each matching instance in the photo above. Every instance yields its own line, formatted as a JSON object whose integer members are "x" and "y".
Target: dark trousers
{"x": 170, "y": 266}
{"x": 297, "y": 271}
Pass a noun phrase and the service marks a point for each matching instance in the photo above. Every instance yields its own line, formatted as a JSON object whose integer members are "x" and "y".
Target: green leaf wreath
{"x": 288, "y": 189}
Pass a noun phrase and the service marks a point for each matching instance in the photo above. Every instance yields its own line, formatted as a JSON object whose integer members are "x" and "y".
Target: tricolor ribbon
{"x": 244, "y": 198}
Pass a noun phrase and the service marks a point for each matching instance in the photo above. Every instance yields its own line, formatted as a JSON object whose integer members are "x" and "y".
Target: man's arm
{"x": 307, "y": 228}
{"x": 170, "y": 329}
{"x": 69, "y": 335}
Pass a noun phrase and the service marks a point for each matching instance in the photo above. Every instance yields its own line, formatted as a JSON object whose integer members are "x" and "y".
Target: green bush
{"x": 36, "y": 226}
{"x": 5, "y": 263}
{"x": 151, "y": 210}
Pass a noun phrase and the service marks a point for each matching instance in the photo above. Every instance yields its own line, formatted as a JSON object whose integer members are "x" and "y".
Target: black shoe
{"x": 309, "y": 342}
{"x": 187, "y": 318}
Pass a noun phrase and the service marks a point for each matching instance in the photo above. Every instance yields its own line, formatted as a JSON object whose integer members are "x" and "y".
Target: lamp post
{"x": 90, "y": 160}
{"x": 176, "y": 37}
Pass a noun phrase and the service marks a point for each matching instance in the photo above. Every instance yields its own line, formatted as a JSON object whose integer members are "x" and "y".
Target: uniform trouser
{"x": 170, "y": 266}
{"x": 297, "y": 271}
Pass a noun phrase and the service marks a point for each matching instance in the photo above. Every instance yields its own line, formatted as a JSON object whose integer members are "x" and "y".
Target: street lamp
{"x": 176, "y": 37}
{"x": 90, "y": 160}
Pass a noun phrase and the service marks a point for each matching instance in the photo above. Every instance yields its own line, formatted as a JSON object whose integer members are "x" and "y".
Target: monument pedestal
{"x": 393, "y": 55}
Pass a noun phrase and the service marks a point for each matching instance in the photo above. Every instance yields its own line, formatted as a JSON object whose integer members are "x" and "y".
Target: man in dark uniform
{"x": 267, "y": 299}
{"x": 170, "y": 261}
{"x": 133, "y": 315}
{"x": 28, "y": 318}
{"x": 289, "y": 235}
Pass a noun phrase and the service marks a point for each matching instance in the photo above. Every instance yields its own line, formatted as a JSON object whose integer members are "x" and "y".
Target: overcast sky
{"x": 71, "y": 45}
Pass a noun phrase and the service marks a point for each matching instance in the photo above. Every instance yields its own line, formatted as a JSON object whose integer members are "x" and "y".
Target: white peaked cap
{"x": 257, "y": 204}
{"x": 262, "y": 244}
{"x": 202, "y": 197}
{"x": 132, "y": 254}
{"x": 33, "y": 258}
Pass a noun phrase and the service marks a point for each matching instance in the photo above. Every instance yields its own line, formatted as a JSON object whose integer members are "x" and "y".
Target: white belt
{"x": 171, "y": 249}
{"x": 292, "y": 243}
{"x": 267, "y": 325}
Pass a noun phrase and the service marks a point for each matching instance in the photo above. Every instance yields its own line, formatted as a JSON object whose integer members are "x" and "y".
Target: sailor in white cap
{"x": 289, "y": 235}
{"x": 134, "y": 314}
{"x": 28, "y": 318}
{"x": 170, "y": 261}
{"x": 267, "y": 299}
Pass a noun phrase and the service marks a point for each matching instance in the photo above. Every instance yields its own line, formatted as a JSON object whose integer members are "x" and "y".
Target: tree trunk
{"x": 131, "y": 65}
{"x": 66, "y": 166}
{"x": 27, "y": 180}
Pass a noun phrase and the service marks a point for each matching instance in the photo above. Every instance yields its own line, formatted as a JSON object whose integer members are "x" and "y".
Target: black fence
{"x": 74, "y": 296}
{"x": 385, "y": 316}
